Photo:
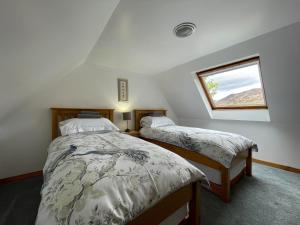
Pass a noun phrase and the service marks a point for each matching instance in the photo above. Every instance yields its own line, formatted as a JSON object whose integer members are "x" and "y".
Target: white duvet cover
{"x": 217, "y": 145}
{"x": 107, "y": 178}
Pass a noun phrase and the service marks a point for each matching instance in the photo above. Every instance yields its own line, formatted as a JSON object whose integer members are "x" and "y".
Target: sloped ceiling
{"x": 42, "y": 40}
{"x": 279, "y": 56}
{"x": 139, "y": 35}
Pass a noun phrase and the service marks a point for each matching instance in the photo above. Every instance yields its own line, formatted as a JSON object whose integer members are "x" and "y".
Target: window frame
{"x": 228, "y": 67}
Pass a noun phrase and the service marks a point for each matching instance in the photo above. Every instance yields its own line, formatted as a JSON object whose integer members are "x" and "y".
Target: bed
{"x": 221, "y": 174}
{"x": 107, "y": 177}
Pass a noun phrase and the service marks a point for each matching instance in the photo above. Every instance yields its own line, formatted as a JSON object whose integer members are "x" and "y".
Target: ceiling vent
{"x": 184, "y": 29}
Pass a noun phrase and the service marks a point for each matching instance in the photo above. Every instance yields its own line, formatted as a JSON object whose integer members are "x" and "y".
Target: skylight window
{"x": 234, "y": 86}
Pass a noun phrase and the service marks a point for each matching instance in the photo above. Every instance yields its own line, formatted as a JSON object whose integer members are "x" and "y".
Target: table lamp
{"x": 127, "y": 117}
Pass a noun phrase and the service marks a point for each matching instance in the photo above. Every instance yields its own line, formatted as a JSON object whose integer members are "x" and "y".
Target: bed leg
{"x": 249, "y": 163}
{"x": 225, "y": 185}
{"x": 194, "y": 205}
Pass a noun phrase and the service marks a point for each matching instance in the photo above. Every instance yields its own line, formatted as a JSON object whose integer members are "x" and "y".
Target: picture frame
{"x": 122, "y": 90}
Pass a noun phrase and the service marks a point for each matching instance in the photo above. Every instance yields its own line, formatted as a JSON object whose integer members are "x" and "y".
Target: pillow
{"x": 77, "y": 125}
{"x": 85, "y": 115}
{"x": 154, "y": 114}
{"x": 89, "y": 114}
{"x": 152, "y": 122}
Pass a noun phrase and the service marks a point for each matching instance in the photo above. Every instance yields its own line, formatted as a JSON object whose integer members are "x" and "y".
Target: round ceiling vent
{"x": 184, "y": 29}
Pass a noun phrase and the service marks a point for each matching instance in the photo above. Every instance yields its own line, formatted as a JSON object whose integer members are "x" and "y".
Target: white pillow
{"x": 77, "y": 125}
{"x": 152, "y": 122}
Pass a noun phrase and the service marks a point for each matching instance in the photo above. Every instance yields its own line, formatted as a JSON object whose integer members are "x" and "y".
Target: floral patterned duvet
{"x": 107, "y": 178}
{"x": 217, "y": 145}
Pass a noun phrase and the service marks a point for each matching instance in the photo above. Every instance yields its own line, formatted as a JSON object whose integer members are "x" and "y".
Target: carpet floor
{"x": 271, "y": 196}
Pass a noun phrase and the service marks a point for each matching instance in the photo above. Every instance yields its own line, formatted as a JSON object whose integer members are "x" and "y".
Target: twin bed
{"x": 94, "y": 174}
{"x": 106, "y": 177}
{"x": 224, "y": 157}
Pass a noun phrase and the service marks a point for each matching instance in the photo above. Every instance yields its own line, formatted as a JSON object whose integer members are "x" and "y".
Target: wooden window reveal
{"x": 234, "y": 86}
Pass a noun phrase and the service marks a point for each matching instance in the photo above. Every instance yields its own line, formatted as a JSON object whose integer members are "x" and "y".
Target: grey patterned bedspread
{"x": 219, "y": 146}
{"x": 107, "y": 178}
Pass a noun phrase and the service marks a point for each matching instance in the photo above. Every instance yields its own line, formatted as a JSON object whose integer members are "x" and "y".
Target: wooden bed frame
{"x": 189, "y": 194}
{"x": 222, "y": 190}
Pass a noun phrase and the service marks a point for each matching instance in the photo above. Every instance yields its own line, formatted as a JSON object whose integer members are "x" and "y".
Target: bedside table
{"x": 133, "y": 133}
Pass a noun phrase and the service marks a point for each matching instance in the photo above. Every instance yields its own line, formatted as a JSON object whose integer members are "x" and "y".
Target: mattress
{"x": 214, "y": 175}
{"x": 176, "y": 217}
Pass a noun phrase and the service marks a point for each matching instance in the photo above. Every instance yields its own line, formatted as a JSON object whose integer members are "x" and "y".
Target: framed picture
{"x": 123, "y": 90}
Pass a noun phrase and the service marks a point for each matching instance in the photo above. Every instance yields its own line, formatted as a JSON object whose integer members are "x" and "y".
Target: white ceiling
{"x": 139, "y": 38}
{"x": 42, "y": 40}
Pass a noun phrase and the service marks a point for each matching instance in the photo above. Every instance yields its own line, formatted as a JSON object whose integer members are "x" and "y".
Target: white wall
{"x": 25, "y": 132}
{"x": 42, "y": 41}
{"x": 278, "y": 140}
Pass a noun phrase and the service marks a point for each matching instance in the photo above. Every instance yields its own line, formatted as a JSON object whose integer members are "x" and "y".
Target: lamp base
{"x": 127, "y": 130}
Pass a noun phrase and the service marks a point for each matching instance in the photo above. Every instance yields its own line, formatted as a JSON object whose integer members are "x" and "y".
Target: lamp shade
{"x": 126, "y": 115}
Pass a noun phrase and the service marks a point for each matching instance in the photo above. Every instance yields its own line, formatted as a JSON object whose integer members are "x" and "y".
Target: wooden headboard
{"x": 140, "y": 113}
{"x": 60, "y": 114}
